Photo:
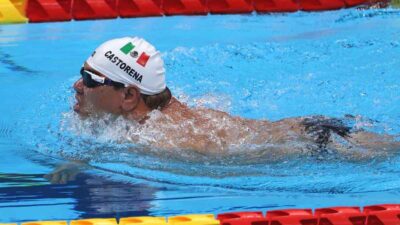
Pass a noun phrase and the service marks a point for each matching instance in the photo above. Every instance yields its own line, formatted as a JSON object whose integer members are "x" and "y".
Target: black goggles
{"x": 92, "y": 80}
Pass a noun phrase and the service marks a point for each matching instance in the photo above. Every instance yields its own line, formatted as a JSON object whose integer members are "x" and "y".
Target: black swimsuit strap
{"x": 321, "y": 128}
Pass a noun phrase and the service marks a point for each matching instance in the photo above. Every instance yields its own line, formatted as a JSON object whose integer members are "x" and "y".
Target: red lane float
{"x": 351, "y": 3}
{"x": 240, "y": 215}
{"x": 266, "y": 6}
{"x": 320, "y": 5}
{"x": 185, "y": 7}
{"x": 94, "y": 9}
{"x": 340, "y": 215}
{"x": 388, "y": 214}
{"x": 383, "y": 214}
{"x": 139, "y": 8}
{"x": 242, "y": 218}
{"x": 291, "y": 217}
{"x": 64, "y": 10}
{"x": 229, "y": 6}
{"x": 48, "y": 10}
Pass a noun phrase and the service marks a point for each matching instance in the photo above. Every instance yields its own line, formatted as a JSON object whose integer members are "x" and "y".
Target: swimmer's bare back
{"x": 211, "y": 131}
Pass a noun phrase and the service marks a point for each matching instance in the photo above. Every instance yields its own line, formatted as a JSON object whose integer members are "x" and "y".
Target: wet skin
{"x": 108, "y": 99}
{"x": 98, "y": 99}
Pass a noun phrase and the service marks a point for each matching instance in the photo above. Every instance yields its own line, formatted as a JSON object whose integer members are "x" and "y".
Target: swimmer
{"x": 126, "y": 77}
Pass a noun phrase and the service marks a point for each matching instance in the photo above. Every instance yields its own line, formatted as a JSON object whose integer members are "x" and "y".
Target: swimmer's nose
{"x": 78, "y": 86}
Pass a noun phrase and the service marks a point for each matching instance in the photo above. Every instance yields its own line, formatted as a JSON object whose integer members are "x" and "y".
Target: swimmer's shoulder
{"x": 177, "y": 110}
{"x": 173, "y": 105}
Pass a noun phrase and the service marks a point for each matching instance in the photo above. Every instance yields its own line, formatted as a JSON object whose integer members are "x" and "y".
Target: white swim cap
{"x": 131, "y": 61}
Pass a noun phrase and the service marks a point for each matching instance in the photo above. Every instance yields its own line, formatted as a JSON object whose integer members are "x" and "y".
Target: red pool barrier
{"x": 48, "y": 10}
{"x": 185, "y": 7}
{"x": 242, "y": 218}
{"x": 291, "y": 217}
{"x": 139, "y": 8}
{"x": 388, "y": 214}
{"x": 239, "y": 215}
{"x": 230, "y": 6}
{"x": 340, "y": 216}
{"x": 264, "y": 6}
{"x": 320, "y": 5}
{"x": 65, "y": 10}
{"x": 351, "y": 3}
{"x": 94, "y": 9}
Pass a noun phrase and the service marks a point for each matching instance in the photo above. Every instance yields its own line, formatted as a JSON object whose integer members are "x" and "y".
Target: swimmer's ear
{"x": 131, "y": 97}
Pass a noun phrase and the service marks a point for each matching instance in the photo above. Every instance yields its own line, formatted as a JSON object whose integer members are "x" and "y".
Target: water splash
{"x": 329, "y": 63}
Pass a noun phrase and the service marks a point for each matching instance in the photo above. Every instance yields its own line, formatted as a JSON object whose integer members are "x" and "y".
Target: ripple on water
{"x": 274, "y": 74}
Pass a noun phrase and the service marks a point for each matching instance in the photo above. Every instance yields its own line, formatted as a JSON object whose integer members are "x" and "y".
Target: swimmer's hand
{"x": 65, "y": 173}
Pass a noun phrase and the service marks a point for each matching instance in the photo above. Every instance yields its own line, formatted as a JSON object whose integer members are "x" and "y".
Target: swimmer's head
{"x": 131, "y": 61}
{"x": 122, "y": 76}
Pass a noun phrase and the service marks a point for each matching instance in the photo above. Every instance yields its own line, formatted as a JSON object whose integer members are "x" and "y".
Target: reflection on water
{"x": 88, "y": 196}
{"x": 256, "y": 66}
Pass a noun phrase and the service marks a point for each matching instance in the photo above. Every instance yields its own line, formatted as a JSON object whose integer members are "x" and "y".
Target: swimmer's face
{"x": 99, "y": 99}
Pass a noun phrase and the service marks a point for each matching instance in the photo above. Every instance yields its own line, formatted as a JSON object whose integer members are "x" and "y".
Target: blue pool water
{"x": 254, "y": 66}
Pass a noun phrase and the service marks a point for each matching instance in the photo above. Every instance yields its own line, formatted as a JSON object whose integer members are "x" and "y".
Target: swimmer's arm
{"x": 375, "y": 141}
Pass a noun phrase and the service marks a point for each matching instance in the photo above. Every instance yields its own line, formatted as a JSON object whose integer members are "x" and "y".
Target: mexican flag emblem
{"x": 143, "y": 58}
